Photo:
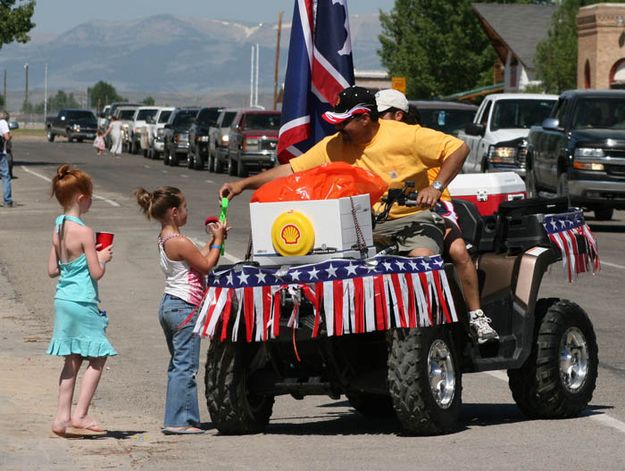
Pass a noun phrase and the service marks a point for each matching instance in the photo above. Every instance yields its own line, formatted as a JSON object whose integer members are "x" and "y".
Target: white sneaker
{"x": 481, "y": 329}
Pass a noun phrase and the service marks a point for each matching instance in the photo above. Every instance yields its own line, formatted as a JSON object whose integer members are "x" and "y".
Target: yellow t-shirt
{"x": 398, "y": 153}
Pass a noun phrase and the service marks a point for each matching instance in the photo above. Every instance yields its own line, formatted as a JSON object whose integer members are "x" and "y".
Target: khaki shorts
{"x": 424, "y": 229}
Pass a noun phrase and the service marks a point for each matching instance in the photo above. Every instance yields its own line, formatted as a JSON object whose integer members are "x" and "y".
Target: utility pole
{"x": 26, "y": 87}
{"x": 277, "y": 63}
{"x": 5, "y": 88}
{"x": 45, "y": 92}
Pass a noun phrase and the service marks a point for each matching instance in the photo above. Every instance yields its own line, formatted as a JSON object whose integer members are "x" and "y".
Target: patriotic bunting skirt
{"x": 347, "y": 297}
{"x": 572, "y": 236}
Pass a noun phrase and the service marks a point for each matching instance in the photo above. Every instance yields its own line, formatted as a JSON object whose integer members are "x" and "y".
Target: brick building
{"x": 601, "y": 46}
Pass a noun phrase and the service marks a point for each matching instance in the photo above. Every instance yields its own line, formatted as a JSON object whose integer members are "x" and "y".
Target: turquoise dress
{"x": 79, "y": 325}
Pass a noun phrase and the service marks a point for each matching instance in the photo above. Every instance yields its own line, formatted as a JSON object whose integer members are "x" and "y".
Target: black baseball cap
{"x": 352, "y": 101}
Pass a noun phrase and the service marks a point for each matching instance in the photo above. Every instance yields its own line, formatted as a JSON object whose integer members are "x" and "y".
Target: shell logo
{"x": 292, "y": 234}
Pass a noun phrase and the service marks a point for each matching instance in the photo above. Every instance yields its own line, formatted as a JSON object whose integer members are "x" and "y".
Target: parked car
{"x": 252, "y": 142}
{"x": 103, "y": 116}
{"x": 153, "y": 144}
{"x": 109, "y": 111}
{"x": 74, "y": 124}
{"x": 503, "y": 117}
{"x": 125, "y": 114}
{"x": 445, "y": 116}
{"x": 142, "y": 114}
{"x": 176, "y": 135}
{"x": 218, "y": 140}
{"x": 198, "y": 137}
{"x": 579, "y": 151}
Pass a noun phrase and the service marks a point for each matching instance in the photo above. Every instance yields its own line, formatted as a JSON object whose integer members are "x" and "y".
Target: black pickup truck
{"x": 73, "y": 124}
{"x": 579, "y": 151}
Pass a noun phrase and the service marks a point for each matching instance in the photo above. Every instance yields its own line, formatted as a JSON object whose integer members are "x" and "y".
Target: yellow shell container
{"x": 292, "y": 234}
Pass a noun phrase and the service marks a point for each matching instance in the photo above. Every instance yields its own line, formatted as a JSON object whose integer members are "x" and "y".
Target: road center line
{"x": 613, "y": 265}
{"x": 603, "y": 419}
{"x": 95, "y": 196}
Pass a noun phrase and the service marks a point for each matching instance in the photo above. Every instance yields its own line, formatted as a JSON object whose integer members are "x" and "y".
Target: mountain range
{"x": 165, "y": 55}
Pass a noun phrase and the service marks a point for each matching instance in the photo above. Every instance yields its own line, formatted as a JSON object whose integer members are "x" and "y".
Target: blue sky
{"x": 60, "y": 15}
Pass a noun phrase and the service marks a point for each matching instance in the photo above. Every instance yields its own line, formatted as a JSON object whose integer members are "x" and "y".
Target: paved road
{"x": 316, "y": 433}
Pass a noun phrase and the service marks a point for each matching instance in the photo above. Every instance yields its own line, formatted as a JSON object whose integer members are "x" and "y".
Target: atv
{"x": 548, "y": 346}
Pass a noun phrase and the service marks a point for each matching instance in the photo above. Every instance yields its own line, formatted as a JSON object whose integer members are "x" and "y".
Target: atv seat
{"x": 471, "y": 224}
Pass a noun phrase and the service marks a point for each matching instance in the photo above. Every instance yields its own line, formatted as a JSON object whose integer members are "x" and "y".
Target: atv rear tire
{"x": 371, "y": 405}
{"x": 425, "y": 381}
{"x": 233, "y": 408}
{"x": 559, "y": 377}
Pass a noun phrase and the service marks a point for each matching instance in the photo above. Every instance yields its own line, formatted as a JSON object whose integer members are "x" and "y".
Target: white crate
{"x": 334, "y": 228}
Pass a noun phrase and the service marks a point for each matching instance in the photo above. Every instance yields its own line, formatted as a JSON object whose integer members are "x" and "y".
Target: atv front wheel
{"x": 233, "y": 408}
{"x": 559, "y": 377}
{"x": 425, "y": 381}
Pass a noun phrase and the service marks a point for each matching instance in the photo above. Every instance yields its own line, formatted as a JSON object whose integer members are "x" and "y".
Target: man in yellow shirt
{"x": 394, "y": 151}
{"x": 393, "y": 105}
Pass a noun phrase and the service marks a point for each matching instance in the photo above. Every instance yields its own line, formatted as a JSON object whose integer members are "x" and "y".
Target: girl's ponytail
{"x": 156, "y": 204}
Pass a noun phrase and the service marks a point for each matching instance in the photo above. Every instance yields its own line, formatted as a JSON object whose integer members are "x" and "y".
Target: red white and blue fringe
{"x": 347, "y": 297}
{"x": 578, "y": 246}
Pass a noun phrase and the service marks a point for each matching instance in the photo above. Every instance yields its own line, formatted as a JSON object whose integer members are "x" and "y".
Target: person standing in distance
{"x": 5, "y": 174}
{"x": 393, "y": 105}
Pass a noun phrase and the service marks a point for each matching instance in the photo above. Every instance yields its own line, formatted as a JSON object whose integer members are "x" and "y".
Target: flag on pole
{"x": 319, "y": 66}
{"x": 578, "y": 246}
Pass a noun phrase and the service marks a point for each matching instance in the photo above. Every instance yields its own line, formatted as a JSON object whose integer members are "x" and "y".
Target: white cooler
{"x": 332, "y": 223}
{"x": 487, "y": 190}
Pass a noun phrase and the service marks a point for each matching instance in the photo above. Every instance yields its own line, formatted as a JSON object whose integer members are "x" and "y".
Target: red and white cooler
{"x": 488, "y": 190}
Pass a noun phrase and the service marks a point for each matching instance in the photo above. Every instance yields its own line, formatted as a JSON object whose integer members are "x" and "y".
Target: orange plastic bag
{"x": 328, "y": 181}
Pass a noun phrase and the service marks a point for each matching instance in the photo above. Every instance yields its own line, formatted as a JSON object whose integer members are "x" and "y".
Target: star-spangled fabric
{"x": 578, "y": 246}
{"x": 347, "y": 296}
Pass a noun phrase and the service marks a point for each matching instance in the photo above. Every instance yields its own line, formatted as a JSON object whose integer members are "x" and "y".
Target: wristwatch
{"x": 438, "y": 186}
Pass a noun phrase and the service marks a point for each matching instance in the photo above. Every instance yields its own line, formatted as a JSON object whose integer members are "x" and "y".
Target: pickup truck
{"x": 218, "y": 140}
{"x": 199, "y": 137}
{"x": 73, "y": 124}
{"x": 579, "y": 151}
{"x": 503, "y": 118}
{"x": 252, "y": 141}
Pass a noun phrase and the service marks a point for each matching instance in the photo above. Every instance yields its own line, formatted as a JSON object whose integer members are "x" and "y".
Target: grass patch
{"x": 28, "y": 132}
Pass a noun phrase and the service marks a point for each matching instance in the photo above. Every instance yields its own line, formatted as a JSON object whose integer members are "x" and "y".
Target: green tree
{"x": 438, "y": 46}
{"x": 556, "y": 57}
{"x": 58, "y": 102}
{"x": 102, "y": 94}
{"x": 149, "y": 101}
{"x": 15, "y": 20}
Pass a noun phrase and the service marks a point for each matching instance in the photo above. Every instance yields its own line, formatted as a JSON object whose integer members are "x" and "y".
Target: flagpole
{"x": 252, "y": 78}
{"x": 257, "y": 69}
{"x": 277, "y": 63}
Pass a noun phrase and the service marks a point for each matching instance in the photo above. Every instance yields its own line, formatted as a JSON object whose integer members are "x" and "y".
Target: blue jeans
{"x": 6, "y": 178}
{"x": 181, "y": 405}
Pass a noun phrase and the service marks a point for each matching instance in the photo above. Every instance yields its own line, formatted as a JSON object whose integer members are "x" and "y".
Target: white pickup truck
{"x": 497, "y": 135}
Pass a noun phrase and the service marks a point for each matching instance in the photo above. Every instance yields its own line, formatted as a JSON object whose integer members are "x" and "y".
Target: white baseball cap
{"x": 390, "y": 98}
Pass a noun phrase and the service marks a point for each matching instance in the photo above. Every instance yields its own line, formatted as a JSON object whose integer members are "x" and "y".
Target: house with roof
{"x": 514, "y": 31}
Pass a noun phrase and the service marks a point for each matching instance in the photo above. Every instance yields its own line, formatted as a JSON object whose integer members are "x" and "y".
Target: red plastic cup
{"x": 103, "y": 238}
